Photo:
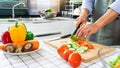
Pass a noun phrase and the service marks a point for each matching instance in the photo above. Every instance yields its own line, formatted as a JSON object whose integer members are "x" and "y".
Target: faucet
{"x": 13, "y": 8}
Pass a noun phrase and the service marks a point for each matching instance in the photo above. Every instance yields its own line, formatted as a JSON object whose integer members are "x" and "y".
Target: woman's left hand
{"x": 86, "y": 30}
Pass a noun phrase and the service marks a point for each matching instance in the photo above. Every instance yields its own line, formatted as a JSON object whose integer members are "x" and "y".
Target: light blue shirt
{"x": 88, "y": 4}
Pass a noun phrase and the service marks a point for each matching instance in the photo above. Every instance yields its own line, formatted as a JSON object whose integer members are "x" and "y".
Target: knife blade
{"x": 47, "y": 34}
{"x": 76, "y": 29}
{"x": 65, "y": 36}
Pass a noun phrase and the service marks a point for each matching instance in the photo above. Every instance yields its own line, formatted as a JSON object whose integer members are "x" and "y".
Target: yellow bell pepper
{"x": 18, "y": 32}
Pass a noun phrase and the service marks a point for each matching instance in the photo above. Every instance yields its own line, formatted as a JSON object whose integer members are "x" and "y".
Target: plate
{"x": 21, "y": 53}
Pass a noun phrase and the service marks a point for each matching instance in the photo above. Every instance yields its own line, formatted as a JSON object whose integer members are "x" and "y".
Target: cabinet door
{"x": 8, "y": 4}
{"x": 6, "y": 7}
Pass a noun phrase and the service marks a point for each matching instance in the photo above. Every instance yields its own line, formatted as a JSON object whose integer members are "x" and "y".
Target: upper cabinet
{"x": 8, "y": 4}
{"x": 6, "y": 8}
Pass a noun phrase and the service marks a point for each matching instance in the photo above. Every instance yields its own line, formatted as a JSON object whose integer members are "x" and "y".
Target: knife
{"x": 65, "y": 36}
{"x": 76, "y": 29}
{"x": 47, "y": 34}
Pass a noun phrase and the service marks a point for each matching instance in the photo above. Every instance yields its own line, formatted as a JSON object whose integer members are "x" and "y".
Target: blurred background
{"x": 68, "y": 7}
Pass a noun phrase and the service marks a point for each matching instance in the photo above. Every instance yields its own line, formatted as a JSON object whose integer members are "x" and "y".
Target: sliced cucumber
{"x": 82, "y": 49}
{"x": 73, "y": 49}
{"x": 69, "y": 46}
{"x": 74, "y": 45}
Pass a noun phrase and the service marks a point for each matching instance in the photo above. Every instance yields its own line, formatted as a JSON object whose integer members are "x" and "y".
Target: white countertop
{"x": 47, "y": 57}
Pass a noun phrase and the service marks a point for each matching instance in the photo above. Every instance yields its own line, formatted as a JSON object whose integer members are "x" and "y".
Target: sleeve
{"x": 115, "y": 6}
{"x": 88, "y": 4}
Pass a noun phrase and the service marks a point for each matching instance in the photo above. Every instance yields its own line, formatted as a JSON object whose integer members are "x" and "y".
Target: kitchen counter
{"x": 41, "y": 26}
{"x": 46, "y": 56}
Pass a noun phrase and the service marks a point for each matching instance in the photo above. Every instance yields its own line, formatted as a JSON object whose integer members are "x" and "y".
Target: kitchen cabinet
{"x": 6, "y": 7}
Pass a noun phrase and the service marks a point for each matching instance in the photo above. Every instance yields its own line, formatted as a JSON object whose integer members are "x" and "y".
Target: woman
{"x": 105, "y": 28}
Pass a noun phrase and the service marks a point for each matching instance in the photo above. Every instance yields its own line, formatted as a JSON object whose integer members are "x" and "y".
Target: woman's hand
{"x": 82, "y": 18}
{"x": 86, "y": 30}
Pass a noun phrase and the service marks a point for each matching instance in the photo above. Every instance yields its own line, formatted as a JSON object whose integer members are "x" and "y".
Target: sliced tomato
{"x": 66, "y": 54}
{"x": 84, "y": 44}
{"x": 80, "y": 42}
{"x": 61, "y": 49}
{"x": 90, "y": 46}
{"x": 75, "y": 59}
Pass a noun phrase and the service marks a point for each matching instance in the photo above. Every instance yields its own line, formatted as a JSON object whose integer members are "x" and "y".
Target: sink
{"x": 32, "y": 20}
{"x": 25, "y": 20}
{"x": 8, "y": 20}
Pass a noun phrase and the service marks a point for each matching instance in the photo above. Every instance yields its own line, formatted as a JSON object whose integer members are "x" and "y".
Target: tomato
{"x": 84, "y": 44}
{"x": 66, "y": 54}
{"x": 79, "y": 42}
{"x": 90, "y": 46}
{"x": 74, "y": 59}
{"x": 61, "y": 49}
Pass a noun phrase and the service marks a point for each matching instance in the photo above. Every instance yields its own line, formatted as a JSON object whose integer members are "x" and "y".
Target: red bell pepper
{"x": 6, "y": 37}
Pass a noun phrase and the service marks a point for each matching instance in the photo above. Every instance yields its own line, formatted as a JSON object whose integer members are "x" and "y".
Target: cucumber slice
{"x": 73, "y": 49}
{"x": 74, "y": 45}
{"x": 82, "y": 49}
{"x": 69, "y": 45}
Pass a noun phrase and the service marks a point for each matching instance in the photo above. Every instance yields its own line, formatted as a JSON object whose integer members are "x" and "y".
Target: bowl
{"x": 48, "y": 15}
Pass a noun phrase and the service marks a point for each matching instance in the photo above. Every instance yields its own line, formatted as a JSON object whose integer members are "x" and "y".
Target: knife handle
{"x": 65, "y": 36}
{"x": 76, "y": 29}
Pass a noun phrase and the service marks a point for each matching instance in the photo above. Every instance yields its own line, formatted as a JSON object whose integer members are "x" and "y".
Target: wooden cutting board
{"x": 90, "y": 55}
